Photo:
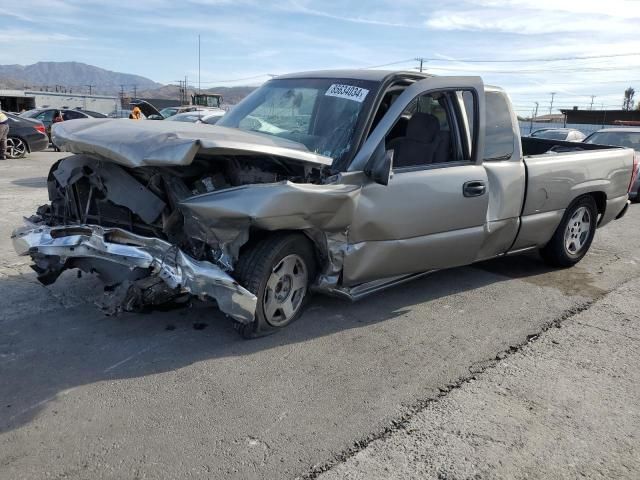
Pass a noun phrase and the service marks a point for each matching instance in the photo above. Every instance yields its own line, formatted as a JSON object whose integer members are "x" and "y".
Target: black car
{"x": 48, "y": 116}
{"x": 25, "y": 136}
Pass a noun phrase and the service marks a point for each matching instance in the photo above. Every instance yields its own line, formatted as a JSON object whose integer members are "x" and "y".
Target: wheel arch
{"x": 600, "y": 198}
{"x": 315, "y": 238}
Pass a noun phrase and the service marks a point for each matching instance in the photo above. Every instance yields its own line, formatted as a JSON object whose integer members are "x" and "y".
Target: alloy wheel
{"x": 16, "y": 148}
{"x": 285, "y": 290}
{"x": 577, "y": 232}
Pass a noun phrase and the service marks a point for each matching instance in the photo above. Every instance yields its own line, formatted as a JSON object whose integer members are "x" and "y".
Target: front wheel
{"x": 573, "y": 237}
{"x": 278, "y": 270}
{"x": 16, "y": 148}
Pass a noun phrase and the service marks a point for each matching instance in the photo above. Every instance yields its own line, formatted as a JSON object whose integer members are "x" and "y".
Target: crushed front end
{"x": 166, "y": 213}
{"x": 119, "y": 256}
{"x": 126, "y": 226}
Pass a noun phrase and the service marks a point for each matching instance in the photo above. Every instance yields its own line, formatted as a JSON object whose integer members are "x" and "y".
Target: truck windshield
{"x": 321, "y": 114}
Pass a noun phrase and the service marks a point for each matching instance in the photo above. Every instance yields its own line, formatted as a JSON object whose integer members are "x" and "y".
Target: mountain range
{"x": 76, "y": 77}
{"x": 71, "y": 76}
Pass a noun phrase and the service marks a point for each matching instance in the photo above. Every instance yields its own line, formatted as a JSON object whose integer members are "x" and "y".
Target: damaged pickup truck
{"x": 341, "y": 182}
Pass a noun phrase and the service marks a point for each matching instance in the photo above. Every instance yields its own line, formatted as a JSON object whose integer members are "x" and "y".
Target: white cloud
{"x": 527, "y": 21}
{"x": 14, "y": 37}
{"x": 611, "y": 18}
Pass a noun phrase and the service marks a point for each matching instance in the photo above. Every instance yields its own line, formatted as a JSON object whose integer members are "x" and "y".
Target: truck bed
{"x": 558, "y": 172}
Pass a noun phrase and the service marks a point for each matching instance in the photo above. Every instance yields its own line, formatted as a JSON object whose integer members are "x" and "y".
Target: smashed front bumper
{"x": 172, "y": 265}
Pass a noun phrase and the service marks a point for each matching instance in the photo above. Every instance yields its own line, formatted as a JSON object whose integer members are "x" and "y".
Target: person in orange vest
{"x": 135, "y": 114}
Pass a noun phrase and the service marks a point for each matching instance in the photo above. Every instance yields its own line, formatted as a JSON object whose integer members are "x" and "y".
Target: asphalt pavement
{"x": 178, "y": 394}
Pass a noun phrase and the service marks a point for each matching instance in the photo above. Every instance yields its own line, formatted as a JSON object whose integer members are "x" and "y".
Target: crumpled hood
{"x": 150, "y": 143}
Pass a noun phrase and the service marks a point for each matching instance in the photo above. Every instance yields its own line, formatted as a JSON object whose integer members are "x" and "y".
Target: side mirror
{"x": 155, "y": 117}
{"x": 380, "y": 166}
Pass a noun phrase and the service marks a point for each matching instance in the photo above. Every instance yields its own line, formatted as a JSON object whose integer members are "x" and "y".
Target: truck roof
{"x": 366, "y": 74}
{"x": 359, "y": 74}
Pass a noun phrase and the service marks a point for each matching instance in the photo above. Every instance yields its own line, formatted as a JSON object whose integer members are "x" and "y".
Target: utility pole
{"x": 198, "y": 63}
{"x": 591, "y": 106}
{"x": 180, "y": 90}
{"x": 553, "y": 94}
{"x": 90, "y": 87}
{"x": 135, "y": 91}
{"x": 421, "y": 60}
{"x": 186, "y": 88}
{"x": 535, "y": 115}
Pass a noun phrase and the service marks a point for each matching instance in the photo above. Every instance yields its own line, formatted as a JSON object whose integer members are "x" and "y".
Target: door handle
{"x": 475, "y": 188}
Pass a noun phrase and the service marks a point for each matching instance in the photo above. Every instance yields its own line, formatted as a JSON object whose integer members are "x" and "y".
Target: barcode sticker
{"x": 349, "y": 92}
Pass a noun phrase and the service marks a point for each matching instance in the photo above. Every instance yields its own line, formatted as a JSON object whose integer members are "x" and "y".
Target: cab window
{"x": 499, "y": 138}
{"x": 428, "y": 132}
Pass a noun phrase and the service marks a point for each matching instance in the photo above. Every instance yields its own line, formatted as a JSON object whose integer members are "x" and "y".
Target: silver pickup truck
{"x": 340, "y": 182}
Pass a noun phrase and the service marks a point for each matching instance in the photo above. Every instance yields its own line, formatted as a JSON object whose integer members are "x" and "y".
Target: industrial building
{"x": 19, "y": 100}
{"x": 600, "y": 117}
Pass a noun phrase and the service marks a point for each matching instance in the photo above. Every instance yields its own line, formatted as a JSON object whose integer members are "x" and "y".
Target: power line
{"x": 392, "y": 63}
{"x": 514, "y": 60}
{"x": 240, "y": 79}
{"x": 523, "y": 60}
{"x": 535, "y": 71}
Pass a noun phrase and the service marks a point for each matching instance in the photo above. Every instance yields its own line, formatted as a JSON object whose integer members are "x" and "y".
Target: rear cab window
{"x": 499, "y": 137}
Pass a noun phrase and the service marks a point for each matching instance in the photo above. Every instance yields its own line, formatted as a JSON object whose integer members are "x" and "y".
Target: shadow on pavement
{"x": 55, "y": 347}
{"x": 33, "y": 182}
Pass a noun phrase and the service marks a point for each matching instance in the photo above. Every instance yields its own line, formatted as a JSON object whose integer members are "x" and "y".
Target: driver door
{"x": 432, "y": 214}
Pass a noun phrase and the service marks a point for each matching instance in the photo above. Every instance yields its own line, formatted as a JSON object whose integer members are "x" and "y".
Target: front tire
{"x": 573, "y": 237}
{"x": 16, "y": 148}
{"x": 278, "y": 270}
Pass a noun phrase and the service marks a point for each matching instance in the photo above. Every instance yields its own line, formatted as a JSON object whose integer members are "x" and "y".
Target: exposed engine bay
{"x": 145, "y": 201}
{"x": 139, "y": 209}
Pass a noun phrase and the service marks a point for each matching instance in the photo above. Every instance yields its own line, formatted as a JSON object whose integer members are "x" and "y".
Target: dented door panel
{"x": 420, "y": 221}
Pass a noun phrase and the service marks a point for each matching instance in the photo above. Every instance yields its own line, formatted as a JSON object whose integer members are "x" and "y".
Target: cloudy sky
{"x": 511, "y": 43}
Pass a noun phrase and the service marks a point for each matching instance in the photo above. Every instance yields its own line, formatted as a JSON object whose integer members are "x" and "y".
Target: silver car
{"x": 563, "y": 134}
{"x": 341, "y": 182}
{"x": 622, "y": 137}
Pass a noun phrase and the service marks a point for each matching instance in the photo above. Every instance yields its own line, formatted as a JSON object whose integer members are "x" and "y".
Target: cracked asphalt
{"x": 179, "y": 395}
{"x": 563, "y": 406}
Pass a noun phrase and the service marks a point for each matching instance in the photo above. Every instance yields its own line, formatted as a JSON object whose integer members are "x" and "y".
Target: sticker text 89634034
{"x": 349, "y": 92}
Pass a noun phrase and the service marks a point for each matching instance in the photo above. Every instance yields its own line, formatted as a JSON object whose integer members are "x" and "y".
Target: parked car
{"x": 204, "y": 116}
{"x": 122, "y": 113}
{"x": 369, "y": 179}
{"x": 25, "y": 136}
{"x": 152, "y": 113}
{"x": 48, "y": 116}
{"x": 622, "y": 137}
{"x": 565, "y": 134}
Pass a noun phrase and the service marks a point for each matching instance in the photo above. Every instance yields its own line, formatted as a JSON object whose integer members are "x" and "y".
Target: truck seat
{"x": 423, "y": 144}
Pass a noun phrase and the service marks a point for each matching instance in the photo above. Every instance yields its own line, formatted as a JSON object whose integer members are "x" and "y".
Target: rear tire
{"x": 573, "y": 237}
{"x": 278, "y": 270}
